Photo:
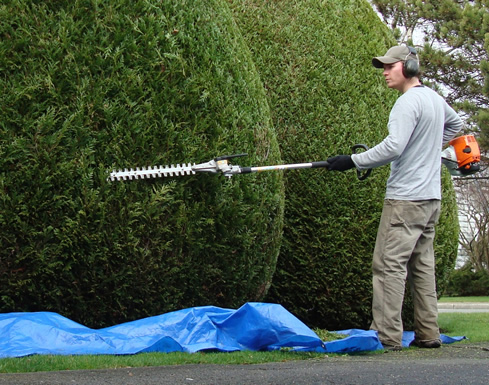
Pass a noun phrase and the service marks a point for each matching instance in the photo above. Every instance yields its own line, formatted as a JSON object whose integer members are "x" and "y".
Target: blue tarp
{"x": 254, "y": 326}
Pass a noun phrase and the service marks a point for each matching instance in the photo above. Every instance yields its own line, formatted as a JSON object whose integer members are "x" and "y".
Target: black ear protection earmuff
{"x": 410, "y": 67}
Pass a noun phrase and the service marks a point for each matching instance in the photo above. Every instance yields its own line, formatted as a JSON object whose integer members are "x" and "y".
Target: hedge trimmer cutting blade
{"x": 152, "y": 172}
{"x": 219, "y": 165}
{"x": 214, "y": 166}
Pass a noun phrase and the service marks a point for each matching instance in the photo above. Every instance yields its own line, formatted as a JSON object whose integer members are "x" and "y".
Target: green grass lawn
{"x": 38, "y": 363}
{"x": 464, "y": 299}
{"x": 474, "y": 326}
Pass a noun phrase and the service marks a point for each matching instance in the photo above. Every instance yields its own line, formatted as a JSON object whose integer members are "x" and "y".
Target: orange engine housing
{"x": 467, "y": 151}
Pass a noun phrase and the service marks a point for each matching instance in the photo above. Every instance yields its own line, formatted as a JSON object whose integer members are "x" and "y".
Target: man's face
{"x": 393, "y": 76}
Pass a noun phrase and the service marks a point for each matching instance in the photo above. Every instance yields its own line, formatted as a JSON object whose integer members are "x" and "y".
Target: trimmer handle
{"x": 361, "y": 175}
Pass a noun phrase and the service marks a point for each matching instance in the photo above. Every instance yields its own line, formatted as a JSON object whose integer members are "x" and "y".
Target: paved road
{"x": 458, "y": 363}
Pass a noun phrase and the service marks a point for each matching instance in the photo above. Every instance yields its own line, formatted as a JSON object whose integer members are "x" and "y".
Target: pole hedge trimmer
{"x": 219, "y": 165}
{"x": 462, "y": 158}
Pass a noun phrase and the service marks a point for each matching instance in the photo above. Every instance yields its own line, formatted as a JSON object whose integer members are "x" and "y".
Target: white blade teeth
{"x": 152, "y": 172}
{"x": 163, "y": 170}
{"x": 180, "y": 171}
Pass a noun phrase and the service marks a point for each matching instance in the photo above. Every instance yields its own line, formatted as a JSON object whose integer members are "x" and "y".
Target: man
{"x": 420, "y": 123}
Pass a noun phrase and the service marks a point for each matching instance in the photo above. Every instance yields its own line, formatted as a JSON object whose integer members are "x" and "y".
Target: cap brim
{"x": 378, "y": 62}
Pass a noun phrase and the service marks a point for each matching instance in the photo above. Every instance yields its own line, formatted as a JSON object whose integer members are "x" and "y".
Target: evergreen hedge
{"x": 89, "y": 86}
{"x": 314, "y": 58}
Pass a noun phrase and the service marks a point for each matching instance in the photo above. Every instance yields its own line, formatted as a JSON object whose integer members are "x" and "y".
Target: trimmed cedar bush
{"x": 89, "y": 86}
{"x": 314, "y": 58}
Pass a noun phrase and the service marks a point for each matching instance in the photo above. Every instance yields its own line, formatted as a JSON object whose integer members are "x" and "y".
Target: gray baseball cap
{"x": 393, "y": 55}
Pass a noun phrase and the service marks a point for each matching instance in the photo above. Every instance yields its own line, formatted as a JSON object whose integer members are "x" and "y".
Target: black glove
{"x": 340, "y": 163}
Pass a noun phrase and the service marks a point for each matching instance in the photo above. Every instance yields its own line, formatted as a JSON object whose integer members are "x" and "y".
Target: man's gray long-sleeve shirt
{"x": 420, "y": 123}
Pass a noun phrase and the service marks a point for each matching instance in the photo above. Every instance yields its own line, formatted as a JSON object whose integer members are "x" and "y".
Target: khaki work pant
{"x": 404, "y": 250}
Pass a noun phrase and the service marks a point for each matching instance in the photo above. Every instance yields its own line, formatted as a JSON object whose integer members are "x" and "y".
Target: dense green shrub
{"x": 88, "y": 86}
{"x": 314, "y": 58}
{"x": 466, "y": 282}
